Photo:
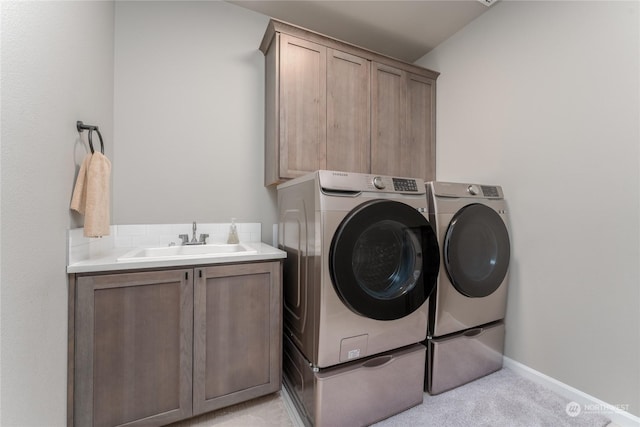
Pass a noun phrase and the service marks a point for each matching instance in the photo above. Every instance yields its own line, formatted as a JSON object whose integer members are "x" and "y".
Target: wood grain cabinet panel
{"x": 403, "y": 133}
{"x": 237, "y": 334}
{"x": 418, "y": 147}
{"x": 133, "y": 349}
{"x": 302, "y": 107}
{"x": 348, "y": 114}
{"x": 388, "y": 94}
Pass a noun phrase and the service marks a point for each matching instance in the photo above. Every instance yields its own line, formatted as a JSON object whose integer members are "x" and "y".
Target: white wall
{"x": 57, "y": 68}
{"x": 539, "y": 97}
{"x": 543, "y": 98}
{"x": 189, "y": 114}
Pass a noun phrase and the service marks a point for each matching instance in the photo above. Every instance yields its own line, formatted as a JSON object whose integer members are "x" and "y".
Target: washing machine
{"x": 362, "y": 260}
{"x": 466, "y": 316}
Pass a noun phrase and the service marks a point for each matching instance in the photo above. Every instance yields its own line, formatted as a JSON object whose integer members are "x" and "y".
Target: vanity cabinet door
{"x": 237, "y": 334}
{"x": 134, "y": 341}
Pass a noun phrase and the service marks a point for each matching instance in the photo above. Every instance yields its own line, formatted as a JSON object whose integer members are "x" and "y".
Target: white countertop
{"x": 107, "y": 260}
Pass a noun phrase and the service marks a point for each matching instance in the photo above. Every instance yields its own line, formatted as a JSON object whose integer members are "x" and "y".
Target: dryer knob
{"x": 378, "y": 183}
{"x": 474, "y": 190}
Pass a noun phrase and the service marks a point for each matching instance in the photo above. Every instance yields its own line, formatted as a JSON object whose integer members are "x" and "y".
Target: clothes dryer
{"x": 466, "y": 329}
{"x": 362, "y": 260}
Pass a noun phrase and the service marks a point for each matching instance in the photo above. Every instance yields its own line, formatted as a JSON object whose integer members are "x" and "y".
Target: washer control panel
{"x": 392, "y": 184}
{"x": 358, "y": 182}
{"x": 404, "y": 184}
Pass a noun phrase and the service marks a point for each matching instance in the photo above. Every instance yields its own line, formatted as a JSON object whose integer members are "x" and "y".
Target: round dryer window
{"x": 384, "y": 260}
{"x": 476, "y": 251}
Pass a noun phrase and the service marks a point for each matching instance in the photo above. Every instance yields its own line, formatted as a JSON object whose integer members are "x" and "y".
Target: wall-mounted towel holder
{"x": 81, "y": 126}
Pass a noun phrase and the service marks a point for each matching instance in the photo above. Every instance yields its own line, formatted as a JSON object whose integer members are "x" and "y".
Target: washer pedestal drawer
{"x": 357, "y": 393}
{"x": 457, "y": 359}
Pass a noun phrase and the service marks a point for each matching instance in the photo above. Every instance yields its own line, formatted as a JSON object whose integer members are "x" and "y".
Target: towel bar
{"x": 81, "y": 126}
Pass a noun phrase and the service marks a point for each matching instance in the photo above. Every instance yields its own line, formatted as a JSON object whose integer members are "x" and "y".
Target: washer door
{"x": 384, "y": 260}
{"x": 476, "y": 251}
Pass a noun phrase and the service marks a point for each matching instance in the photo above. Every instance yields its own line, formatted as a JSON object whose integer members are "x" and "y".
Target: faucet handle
{"x": 185, "y": 238}
{"x": 193, "y": 239}
{"x": 204, "y": 237}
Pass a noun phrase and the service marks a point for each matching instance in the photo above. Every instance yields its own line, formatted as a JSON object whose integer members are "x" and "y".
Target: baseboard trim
{"x": 618, "y": 416}
{"x": 291, "y": 407}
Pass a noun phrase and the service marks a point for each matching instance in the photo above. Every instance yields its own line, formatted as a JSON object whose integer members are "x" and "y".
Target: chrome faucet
{"x": 194, "y": 241}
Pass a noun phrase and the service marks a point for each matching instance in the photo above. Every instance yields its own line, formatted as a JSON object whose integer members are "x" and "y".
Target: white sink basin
{"x": 186, "y": 252}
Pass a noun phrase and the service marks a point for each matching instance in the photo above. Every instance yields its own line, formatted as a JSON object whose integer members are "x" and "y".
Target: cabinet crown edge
{"x": 276, "y": 26}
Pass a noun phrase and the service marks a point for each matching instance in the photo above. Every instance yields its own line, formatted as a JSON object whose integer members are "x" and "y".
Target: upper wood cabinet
{"x": 348, "y": 112}
{"x": 402, "y": 130}
{"x": 303, "y": 106}
{"x": 332, "y": 105}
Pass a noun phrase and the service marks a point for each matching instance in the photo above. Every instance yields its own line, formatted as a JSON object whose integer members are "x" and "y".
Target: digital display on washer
{"x": 402, "y": 184}
{"x": 490, "y": 191}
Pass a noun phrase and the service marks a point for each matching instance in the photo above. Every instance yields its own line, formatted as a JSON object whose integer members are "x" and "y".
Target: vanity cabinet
{"x": 133, "y": 348}
{"x": 332, "y": 105}
{"x": 237, "y": 334}
{"x": 149, "y": 348}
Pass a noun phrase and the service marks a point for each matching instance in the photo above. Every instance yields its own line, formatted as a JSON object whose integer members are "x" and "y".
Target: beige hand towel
{"x": 79, "y": 199}
{"x": 91, "y": 195}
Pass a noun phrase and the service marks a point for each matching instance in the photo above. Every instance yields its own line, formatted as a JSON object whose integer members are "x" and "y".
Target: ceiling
{"x": 405, "y": 30}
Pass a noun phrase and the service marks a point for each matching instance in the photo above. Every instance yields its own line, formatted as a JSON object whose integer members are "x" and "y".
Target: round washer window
{"x": 476, "y": 251}
{"x": 387, "y": 259}
{"x": 384, "y": 260}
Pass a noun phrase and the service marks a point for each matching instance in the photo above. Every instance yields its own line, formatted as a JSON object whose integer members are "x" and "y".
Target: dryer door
{"x": 476, "y": 251}
{"x": 384, "y": 260}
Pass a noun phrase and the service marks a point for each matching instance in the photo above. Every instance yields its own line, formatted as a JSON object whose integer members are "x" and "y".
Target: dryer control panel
{"x": 454, "y": 189}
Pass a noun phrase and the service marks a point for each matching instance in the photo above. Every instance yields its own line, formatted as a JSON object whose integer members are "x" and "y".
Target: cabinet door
{"x": 303, "y": 106}
{"x": 403, "y": 123}
{"x": 134, "y": 335}
{"x": 348, "y": 113}
{"x": 237, "y": 334}
{"x": 419, "y": 148}
{"x": 388, "y": 110}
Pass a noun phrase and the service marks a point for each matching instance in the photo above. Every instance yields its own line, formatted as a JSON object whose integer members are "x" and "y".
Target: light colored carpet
{"x": 502, "y": 399}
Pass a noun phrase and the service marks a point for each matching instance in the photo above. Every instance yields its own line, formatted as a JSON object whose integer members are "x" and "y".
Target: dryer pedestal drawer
{"x": 458, "y": 359}
{"x": 357, "y": 393}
